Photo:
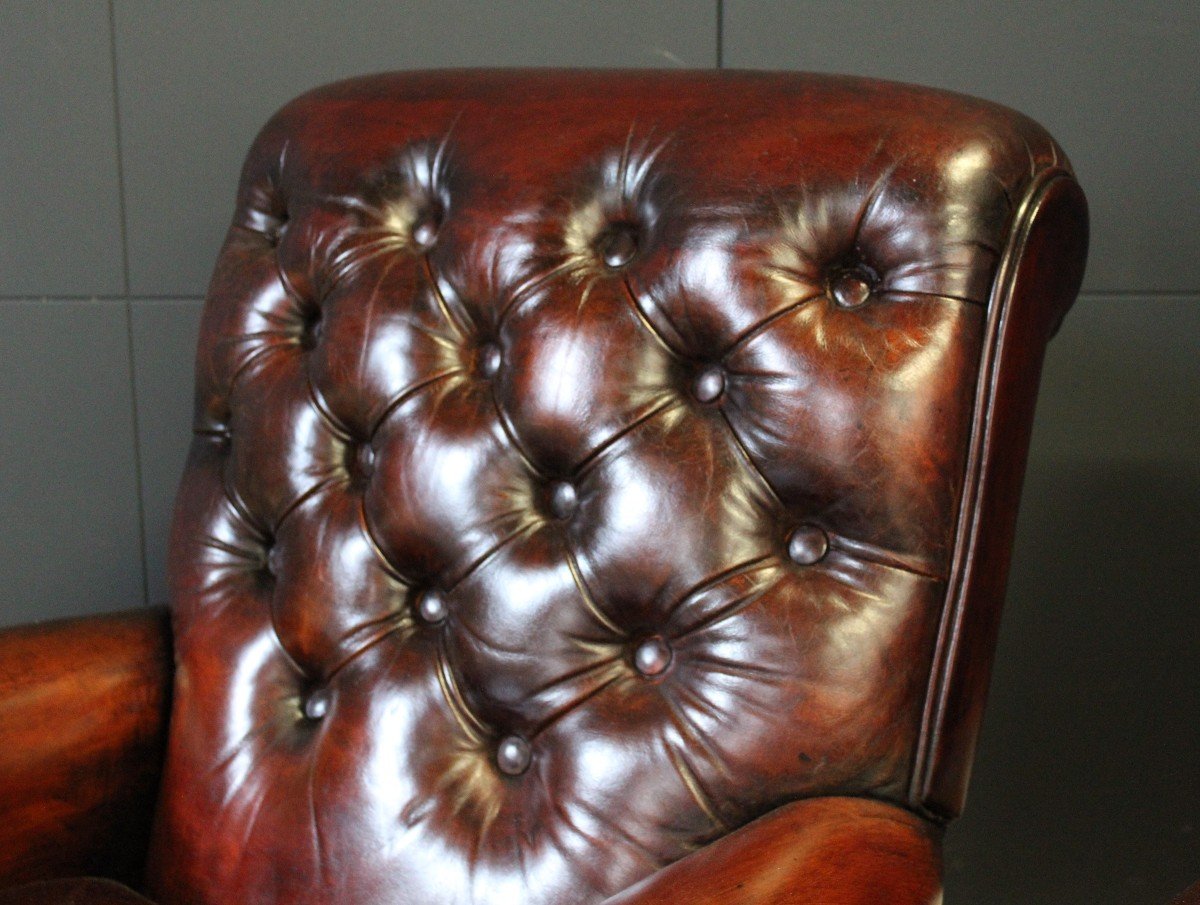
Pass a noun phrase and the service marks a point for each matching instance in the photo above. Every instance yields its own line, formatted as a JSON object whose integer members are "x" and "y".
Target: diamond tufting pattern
{"x": 577, "y": 468}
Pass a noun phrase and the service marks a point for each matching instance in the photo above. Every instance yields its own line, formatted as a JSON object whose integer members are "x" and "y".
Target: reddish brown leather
{"x": 73, "y": 891}
{"x": 577, "y": 475}
{"x": 1038, "y": 279}
{"x": 820, "y": 851}
{"x": 83, "y": 707}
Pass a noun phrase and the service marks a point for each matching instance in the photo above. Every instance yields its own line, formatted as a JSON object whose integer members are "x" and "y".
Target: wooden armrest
{"x": 821, "y": 851}
{"x": 83, "y": 716}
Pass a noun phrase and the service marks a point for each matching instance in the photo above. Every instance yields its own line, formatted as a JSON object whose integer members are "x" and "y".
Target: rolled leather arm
{"x": 821, "y": 851}
{"x": 83, "y": 715}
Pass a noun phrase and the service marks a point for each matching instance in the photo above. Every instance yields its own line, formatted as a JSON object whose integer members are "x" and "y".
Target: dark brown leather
{"x": 819, "y": 851}
{"x": 83, "y": 708}
{"x": 579, "y": 474}
{"x": 72, "y": 891}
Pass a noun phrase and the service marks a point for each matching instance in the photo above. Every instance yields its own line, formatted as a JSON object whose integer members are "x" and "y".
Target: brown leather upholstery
{"x": 83, "y": 724}
{"x": 588, "y": 464}
{"x": 817, "y": 851}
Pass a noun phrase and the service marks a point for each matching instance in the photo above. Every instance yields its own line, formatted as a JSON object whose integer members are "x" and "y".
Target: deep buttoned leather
{"x": 577, "y": 470}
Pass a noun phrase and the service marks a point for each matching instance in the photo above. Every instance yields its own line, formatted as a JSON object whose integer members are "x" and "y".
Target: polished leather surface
{"x": 83, "y": 725}
{"x": 818, "y": 851}
{"x": 577, "y": 475}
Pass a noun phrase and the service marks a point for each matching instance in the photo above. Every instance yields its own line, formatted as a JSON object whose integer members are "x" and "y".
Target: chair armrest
{"x": 83, "y": 715}
{"x": 821, "y": 851}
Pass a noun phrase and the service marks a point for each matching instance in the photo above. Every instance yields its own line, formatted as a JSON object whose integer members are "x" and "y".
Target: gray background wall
{"x": 122, "y": 126}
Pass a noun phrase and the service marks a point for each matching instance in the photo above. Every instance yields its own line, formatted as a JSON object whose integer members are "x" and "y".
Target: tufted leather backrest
{"x": 578, "y": 471}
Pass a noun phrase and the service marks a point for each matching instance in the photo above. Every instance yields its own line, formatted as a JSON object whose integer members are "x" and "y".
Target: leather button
{"x": 432, "y": 607}
{"x": 564, "y": 499}
{"x": 618, "y": 246}
{"x": 513, "y": 755}
{"x": 710, "y": 384}
{"x": 272, "y": 561}
{"x": 364, "y": 459}
{"x": 359, "y": 462}
{"x": 652, "y": 656}
{"x": 490, "y": 359}
{"x": 425, "y": 230}
{"x": 316, "y": 705}
{"x": 850, "y": 289}
{"x": 808, "y": 544}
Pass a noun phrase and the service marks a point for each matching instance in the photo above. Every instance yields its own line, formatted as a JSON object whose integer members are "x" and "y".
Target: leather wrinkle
{"x": 736, "y": 570}
{"x": 505, "y": 422}
{"x": 645, "y": 321}
{"x": 729, "y": 610}
{"x": 482, "y": 559}
{"x": 585, "y": 595}
{"x": 740, "y": 446}
{"x": 769, "y": 321}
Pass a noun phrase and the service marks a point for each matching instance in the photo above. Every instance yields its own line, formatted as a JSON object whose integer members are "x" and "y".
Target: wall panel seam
{"x": 720, "y": 34}
{"x": 137, "y": 452}
{"x": 116, "y": 96}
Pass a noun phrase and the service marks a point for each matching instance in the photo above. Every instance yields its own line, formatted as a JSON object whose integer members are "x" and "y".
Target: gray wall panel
{"x": 164, "y": 346}
{"x": 1115, "y": 82}
{"x": 68, "y": 498}
{"x": 59, "y": 190}
{"x": 1087, "y": 781}
{"x": 1122, "y": 382}
{"x": 197, "y": 81}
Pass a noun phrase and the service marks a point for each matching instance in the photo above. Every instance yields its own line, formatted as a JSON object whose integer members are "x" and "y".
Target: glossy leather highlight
{"x": 820, "y": 851}
{"x": 83, "y": 725}
{"x": 577, "y": 478}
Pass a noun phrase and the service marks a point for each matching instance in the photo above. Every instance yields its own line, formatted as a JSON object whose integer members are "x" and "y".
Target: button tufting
{"x": 652, "y": 656}
{"x": 513, "y": 755}
{"x": 579, "y": 395}
{"x": 271, "y": 563}
{"x": 364, "y": 460}
{"x": 316, "y": 705}
{"x": 563, "y": 499}
{"x": 618, "y": 245}
{"x": 850, "y": 289}
{"x": 808, "y": 544}
{"x": 312, "y": 329}
{"x": 489, "y": 360}
{"x": 425, "y": 230}
{"x": 432, "y": 607}
{"x": 710, "y": 384}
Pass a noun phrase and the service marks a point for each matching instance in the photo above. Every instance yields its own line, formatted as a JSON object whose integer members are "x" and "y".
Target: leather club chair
{"x": 602, "y": 491}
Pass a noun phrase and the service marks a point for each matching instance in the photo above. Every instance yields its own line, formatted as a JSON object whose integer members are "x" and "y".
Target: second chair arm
{"x": 83, "y": 715}
{"x": 820, "y": 851}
